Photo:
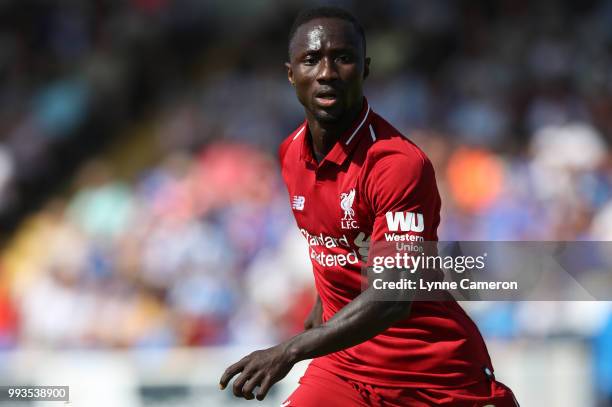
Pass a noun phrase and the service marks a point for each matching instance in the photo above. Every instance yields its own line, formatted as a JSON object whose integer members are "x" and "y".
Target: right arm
{"x": 315, "y": 318}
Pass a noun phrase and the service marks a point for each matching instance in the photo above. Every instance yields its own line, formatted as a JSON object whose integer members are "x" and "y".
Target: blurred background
{"x": 147, "y": 240}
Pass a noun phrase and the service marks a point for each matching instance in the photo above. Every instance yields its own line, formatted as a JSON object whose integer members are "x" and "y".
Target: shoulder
{"x": 394, "y": 154}
{"x": 397, "y": 173}
{"x": 292, "y": 140}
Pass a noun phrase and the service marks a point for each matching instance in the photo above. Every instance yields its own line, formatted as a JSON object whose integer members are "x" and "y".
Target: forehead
{"x": 325, "y": 32}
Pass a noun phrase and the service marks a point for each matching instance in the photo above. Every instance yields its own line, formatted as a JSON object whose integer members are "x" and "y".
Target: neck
{"x": 325, "y": 134}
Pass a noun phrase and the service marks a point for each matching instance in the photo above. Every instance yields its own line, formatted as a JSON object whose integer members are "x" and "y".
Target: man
{"x": 348, "y": 173}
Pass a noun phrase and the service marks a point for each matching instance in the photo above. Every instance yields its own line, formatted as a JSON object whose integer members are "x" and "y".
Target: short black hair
{"x": 325, "y": 12}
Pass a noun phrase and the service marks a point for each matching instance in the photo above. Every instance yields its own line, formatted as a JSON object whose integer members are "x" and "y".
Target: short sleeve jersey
{"x": 372, "y": 177}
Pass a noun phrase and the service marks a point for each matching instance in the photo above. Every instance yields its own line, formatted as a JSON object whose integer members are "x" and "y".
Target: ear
{"x": 290, "y": 73}
{"x": 366, "y": 67}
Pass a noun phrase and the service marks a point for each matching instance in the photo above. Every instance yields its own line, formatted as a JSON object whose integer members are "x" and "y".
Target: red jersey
{"x": 353, "y": 196}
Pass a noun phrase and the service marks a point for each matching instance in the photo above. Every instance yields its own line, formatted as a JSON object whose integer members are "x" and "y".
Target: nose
{"x": 327, "y": 70}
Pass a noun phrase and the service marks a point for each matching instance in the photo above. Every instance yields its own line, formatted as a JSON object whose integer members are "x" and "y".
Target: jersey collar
{"x": 345, "y": 144}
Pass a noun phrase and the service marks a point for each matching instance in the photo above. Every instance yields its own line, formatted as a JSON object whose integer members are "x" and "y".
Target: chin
{"x": 326, "y": 116}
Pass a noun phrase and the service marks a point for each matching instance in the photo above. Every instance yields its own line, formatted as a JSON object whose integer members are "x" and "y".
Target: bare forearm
{"x": 315, "y": 317}
{"x": 360, "y": 320}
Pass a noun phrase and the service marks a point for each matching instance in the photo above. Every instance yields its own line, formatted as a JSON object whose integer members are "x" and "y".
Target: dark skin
{"x": 315, "y": 317}
{"x": 327, "y": 67}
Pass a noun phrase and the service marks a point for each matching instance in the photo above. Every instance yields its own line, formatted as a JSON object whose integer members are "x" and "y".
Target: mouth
{"x": 326, "y": 98}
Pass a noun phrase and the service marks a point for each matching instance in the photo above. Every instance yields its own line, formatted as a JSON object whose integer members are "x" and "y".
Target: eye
{"x": 344, "y": 58}
{"x": 310, "y": 59}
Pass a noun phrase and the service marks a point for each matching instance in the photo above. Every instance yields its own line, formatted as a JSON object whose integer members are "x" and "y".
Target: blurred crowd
{"x": 195, "y": 245}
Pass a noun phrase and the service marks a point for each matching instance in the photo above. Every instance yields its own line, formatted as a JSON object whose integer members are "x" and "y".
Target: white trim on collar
{"x": 372, "y": 133}
{"x": 360, "y": 125}
{"x": 299, "y": 132}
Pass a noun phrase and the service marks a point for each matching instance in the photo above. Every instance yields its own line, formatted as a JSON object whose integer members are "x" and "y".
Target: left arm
{"x": 360, "y": 320}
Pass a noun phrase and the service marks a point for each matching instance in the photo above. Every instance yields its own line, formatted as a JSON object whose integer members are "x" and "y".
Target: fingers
{"x": 239, "y": 384}
{"x": 260, "y": 368}
{"x": 264, "y": 387}
{"x": 249, "y": 386}
{"x": 230, "y": 372}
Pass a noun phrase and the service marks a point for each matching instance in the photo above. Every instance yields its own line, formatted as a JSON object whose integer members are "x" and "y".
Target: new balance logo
{"x": 297, "y": 203}
{"x": 405, "y": 221}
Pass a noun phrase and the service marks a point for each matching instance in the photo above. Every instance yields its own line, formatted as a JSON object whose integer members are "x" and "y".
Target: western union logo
{"x": 405, "y": 221}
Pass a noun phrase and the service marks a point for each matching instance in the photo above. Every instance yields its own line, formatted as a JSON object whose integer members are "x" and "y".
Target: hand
{"x": 261, "y": 368}
{"x": 315, "y": 318}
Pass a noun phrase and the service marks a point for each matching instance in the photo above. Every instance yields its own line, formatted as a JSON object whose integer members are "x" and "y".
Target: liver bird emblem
{"x": 346, "y": 203}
